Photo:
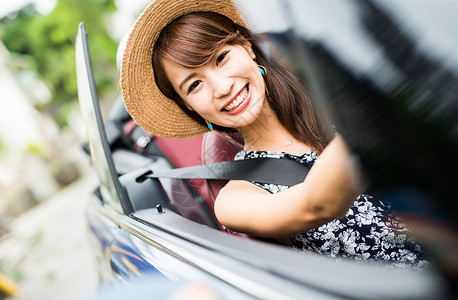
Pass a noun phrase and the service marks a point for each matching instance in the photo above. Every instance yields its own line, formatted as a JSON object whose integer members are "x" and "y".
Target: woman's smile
{"x": 238, "y": 102}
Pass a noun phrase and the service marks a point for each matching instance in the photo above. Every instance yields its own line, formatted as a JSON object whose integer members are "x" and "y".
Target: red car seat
{"x": 217, "y": 147}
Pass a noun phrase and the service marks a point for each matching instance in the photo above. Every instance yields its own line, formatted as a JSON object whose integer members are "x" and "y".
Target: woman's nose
{"x": 222, "y": 86}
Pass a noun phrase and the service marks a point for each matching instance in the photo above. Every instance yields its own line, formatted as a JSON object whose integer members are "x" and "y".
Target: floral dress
{"x": 370, "y": 230}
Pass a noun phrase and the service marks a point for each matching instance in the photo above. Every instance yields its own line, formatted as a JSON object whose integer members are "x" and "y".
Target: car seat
{"x": 217, "y": 147}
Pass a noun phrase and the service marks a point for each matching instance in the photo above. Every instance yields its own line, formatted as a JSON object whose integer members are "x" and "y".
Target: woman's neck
{"x": 268, "y": 134}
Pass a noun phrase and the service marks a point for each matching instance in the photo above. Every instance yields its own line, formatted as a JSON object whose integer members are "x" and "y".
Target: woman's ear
{"x": 249, "y": 49}
{"x": 188, "y": 106}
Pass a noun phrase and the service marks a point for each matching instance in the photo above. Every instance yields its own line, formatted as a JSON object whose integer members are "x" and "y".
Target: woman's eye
{"x": 193, "y": 86}
{"x": 221, "y": 57}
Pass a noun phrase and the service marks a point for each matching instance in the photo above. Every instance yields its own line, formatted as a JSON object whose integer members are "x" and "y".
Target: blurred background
{"x": 45, "y": 177}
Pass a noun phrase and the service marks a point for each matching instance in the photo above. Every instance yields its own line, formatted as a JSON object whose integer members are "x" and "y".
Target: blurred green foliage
{"x": 49, "y": 41}
{"x": 34, "y": 149}
{"x": 3, "y": 146}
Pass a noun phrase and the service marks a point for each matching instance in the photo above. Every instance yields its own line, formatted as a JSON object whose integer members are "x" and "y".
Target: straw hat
{"x": 149, "y": 108}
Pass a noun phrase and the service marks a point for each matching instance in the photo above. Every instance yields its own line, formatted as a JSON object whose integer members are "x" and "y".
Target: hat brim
{"x": 146, "y": 104}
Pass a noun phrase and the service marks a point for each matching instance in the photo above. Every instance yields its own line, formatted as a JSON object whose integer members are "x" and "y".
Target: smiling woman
{"x": 208, "y": 68}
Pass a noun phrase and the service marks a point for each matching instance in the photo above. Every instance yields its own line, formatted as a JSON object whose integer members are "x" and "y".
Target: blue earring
{"x": 262, "y": 69}
{"x": 209, "y": 125}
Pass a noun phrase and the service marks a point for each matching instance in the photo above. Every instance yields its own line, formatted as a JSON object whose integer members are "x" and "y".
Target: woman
{"x": 193, "y": 66}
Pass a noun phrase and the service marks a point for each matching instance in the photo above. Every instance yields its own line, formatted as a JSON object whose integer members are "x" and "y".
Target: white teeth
{"x": 238, "y": 100}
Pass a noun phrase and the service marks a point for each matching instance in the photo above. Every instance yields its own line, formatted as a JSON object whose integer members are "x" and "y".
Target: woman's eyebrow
{"x": 186, "y": 79}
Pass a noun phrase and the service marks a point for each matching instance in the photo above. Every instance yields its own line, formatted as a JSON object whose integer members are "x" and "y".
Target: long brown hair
{"x": 193, "y": 39}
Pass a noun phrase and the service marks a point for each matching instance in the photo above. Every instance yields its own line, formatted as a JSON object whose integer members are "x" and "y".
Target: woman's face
{"x": 227, "y": 91}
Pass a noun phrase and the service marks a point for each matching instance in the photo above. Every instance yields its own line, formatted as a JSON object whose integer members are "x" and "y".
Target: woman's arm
{"x": 327, "y": 192}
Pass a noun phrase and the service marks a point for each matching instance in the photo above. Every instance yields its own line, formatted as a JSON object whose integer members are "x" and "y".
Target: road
{"x": 47, "y": 249}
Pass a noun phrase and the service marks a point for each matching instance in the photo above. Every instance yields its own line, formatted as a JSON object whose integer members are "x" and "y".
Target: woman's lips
{"x": 238, "y": 104}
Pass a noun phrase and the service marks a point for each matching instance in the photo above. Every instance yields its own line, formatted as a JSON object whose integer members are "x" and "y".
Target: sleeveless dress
{"x": 370, "y": 230}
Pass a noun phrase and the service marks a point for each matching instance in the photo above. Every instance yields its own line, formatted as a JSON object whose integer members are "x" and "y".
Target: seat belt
{"x": 264, "y": 170}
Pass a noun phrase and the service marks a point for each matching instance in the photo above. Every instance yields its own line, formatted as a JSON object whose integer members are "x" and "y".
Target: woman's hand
{"x": 327, "y": 192}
